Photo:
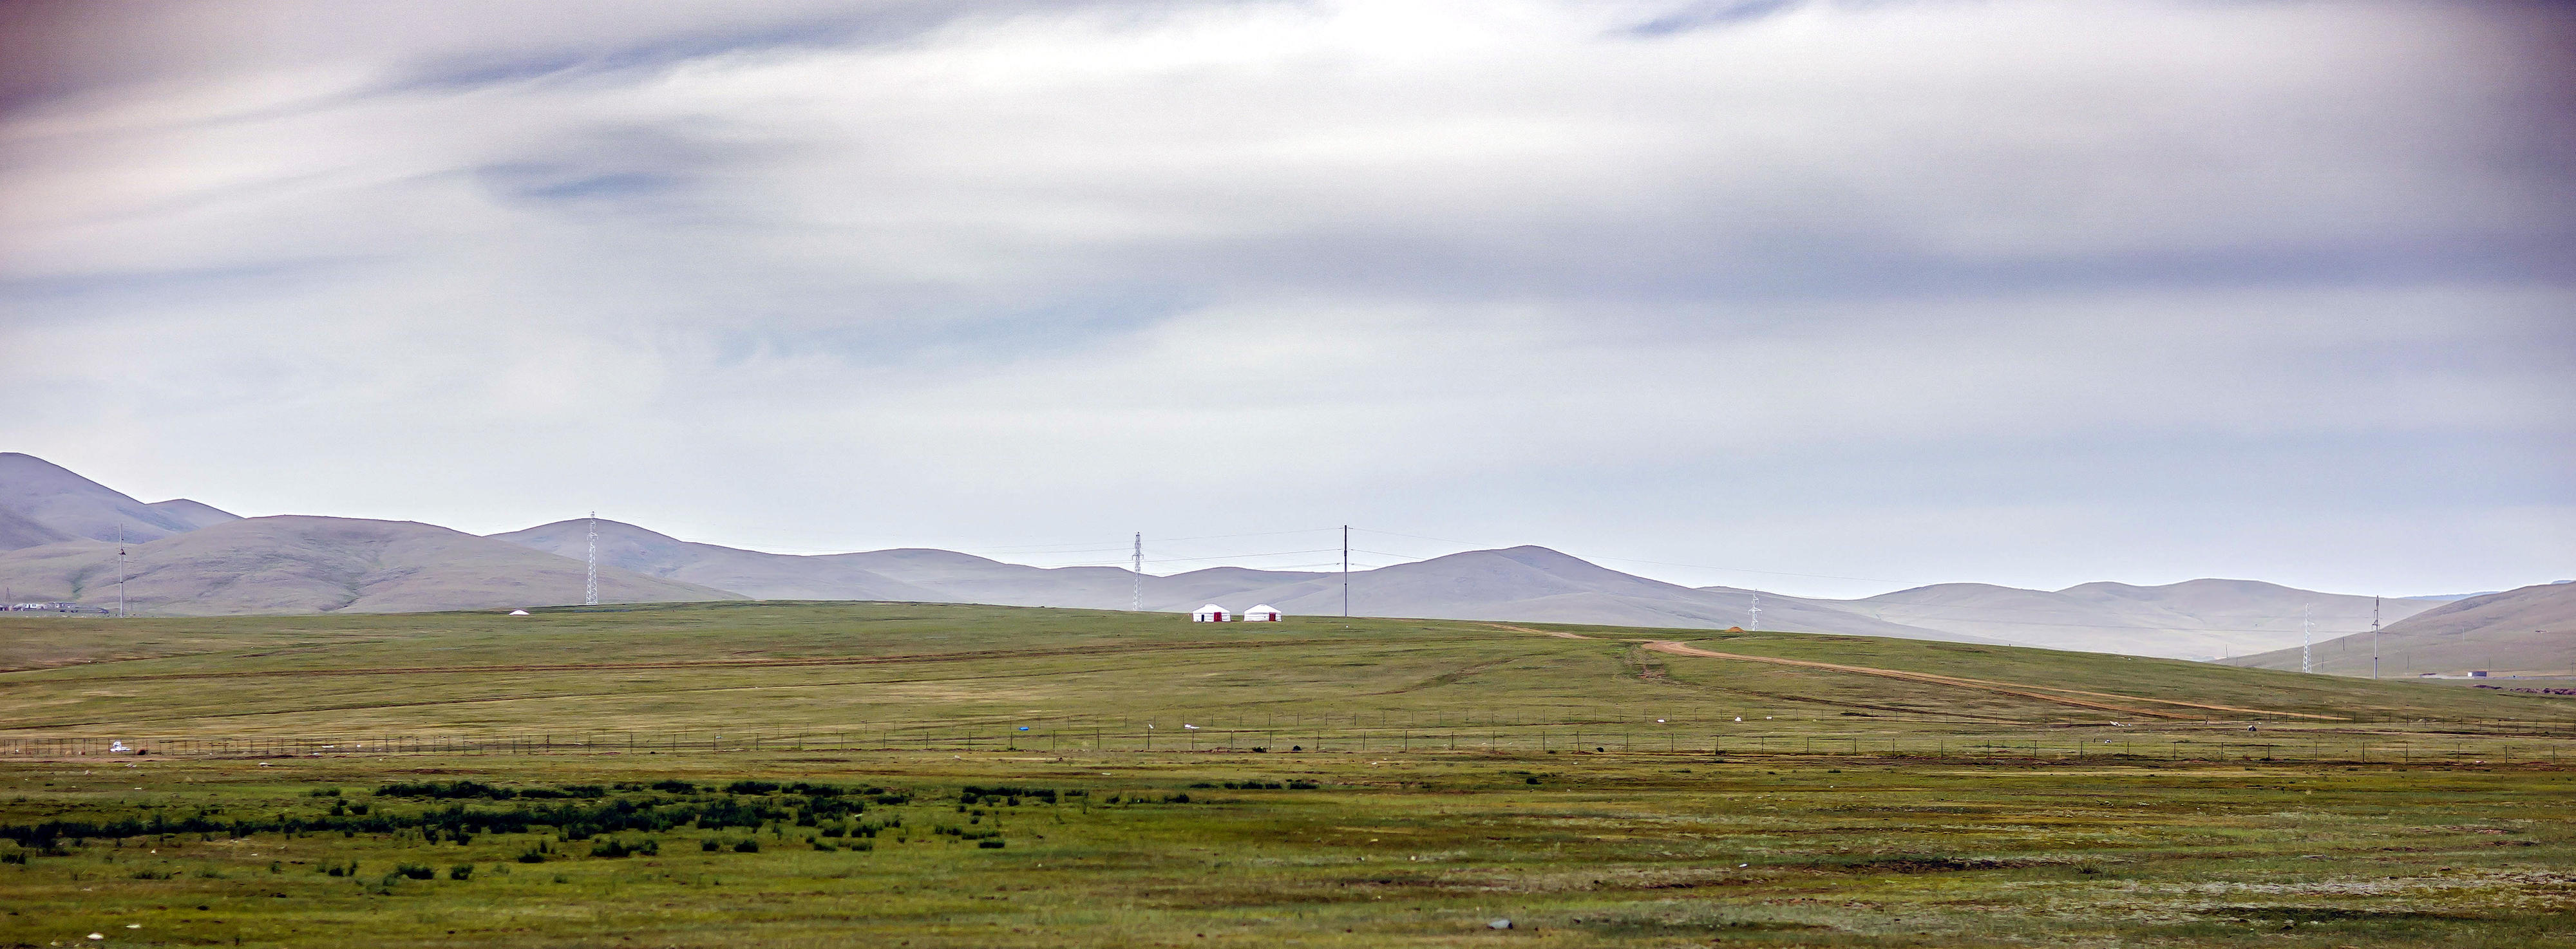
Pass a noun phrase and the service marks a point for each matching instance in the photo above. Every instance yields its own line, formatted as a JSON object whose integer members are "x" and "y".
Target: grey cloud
{"x": 950, "y": 271}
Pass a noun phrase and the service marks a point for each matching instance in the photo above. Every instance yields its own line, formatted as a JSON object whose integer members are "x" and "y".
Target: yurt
{"x": 1265, "y": 613}
{"x": 1211, "y": 613}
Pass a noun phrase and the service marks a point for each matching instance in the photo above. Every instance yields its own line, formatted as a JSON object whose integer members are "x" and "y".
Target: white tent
{"x": 1211, "y": 613}
{"x": 518, "y": 612}
{"x": 1265, "y": 613}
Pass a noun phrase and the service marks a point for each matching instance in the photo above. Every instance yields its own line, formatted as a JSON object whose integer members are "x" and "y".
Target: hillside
{"x": 2529, "y": 631}
{"x": 1535, "y": 584}
{"x": 748, "y": 572}
{"x": 2194, "y": 619}
{"x": 318, "y": 565}
{"x": 44, "y": 503}
{"x": 1528, "y": 584}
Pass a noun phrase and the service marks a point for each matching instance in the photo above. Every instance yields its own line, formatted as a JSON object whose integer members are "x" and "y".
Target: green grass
{"x": 1450, "y": 788}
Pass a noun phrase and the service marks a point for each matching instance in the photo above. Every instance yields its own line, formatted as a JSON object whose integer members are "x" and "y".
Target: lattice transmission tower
{"x": 590, "y": 585}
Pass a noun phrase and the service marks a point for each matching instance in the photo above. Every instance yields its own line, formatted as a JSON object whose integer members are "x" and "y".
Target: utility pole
{"x": 590, "y": 586}
{"x": 1140, "y": 573}
{"x": 2307, "y": 634}
{"x": 2374, "y": 637}
{"x": 1346, "y": 571}
{"x": 120, "y": 570}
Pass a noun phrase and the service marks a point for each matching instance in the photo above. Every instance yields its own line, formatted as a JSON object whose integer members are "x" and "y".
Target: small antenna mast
{"x": 1140, "y": 573}
{"x": 590, "y": 587}
{"x": 2307, "y": 635}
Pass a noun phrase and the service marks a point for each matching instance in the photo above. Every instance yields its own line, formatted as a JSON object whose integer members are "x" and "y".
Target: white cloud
{"x": 780, "y": 275}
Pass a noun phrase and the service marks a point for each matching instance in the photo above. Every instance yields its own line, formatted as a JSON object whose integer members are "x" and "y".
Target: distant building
{"x": 2477, "y": 673}
{"x": 1211, "y": 613}
{"x": 1265, "y": 613}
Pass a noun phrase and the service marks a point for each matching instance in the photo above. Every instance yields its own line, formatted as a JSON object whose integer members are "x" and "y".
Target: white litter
{"x": 1499, "y": 924}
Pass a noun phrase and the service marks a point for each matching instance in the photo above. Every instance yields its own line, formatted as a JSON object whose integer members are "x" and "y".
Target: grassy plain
{"x": 1455, "y": 771}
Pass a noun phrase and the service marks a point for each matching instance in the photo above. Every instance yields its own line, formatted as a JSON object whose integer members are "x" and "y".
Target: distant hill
{"x": 2531, "y": 630}
{"x": 57, "y": 529}
{"x": 1530, "y": 584}
{"x": 1535, "y": 584}
{"x": 747, "y": 572}
{"x": 2194, "y": 619}
{"x": 44, "y": 503}
{"x": 320, "y": 565}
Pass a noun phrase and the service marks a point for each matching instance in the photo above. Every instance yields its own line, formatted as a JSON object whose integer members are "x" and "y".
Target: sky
{"x": 1829, "y": 298}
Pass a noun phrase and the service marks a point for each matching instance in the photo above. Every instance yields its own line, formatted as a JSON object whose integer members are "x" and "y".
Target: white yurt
{"x": 1265, "y": 613}
{"x": 1211, "y": 613}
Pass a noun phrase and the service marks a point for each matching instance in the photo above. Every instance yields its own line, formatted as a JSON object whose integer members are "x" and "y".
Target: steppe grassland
{"x": 947, "y": 671}
{"x": 1421, "y": 845}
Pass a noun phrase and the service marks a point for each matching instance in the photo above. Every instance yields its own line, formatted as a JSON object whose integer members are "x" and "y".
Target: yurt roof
{"x": 1211, "y": 608}
{"x": 1263, "y": 608}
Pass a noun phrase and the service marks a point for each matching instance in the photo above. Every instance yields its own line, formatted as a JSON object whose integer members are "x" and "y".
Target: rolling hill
{"x": 2529, "y": 631}
{"x": 751, "y": 573}
{"x": 1531, "y": 584}
{"x": 45, "y": 503}
{"x": 2194, "y": 619}
{"x": 319, "y": 565}
{"x": 54, "y": 524}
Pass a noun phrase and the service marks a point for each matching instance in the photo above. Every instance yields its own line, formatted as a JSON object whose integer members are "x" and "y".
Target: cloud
{"x": 937, "y": 273}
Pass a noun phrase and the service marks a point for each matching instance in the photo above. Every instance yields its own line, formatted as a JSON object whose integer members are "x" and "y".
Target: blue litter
{"x": 1024, "y": 728}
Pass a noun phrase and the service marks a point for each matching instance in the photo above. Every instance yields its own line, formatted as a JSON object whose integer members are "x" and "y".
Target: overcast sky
{"x": 1864, "y": 294}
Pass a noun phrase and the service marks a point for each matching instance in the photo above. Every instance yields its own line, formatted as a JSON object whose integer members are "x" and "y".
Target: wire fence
{"x": 2436, "y": 743}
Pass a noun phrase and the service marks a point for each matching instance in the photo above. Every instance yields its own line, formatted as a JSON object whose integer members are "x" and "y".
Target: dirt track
{"x": 2040, "y": 692}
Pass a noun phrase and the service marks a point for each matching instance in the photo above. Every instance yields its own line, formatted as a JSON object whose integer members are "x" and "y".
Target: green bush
{"x": 989, "y": 844}
{"x": 462, "y": 871}
{"x": 619, "y": 848}
{"x": 748, "y": 845}
{"x": 416, "y": 871}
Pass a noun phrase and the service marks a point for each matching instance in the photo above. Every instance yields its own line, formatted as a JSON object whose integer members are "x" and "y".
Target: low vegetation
{"x": 1345, "y": 785}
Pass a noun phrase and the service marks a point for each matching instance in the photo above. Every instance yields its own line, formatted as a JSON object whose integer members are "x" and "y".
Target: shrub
{"x": 618, "y": 848}
{"x": 989, "y": 844}
{"x": 820, "y": 844}
{"x": 748, "y": 845}
{"x": 752, "y": 787}
{"x": 533, "y": 856}
{"x": 674, "y": 787}
{"x": 710, "y": 845}
{"x": 416, "y": 871}
{"x": 462, "y": 871}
